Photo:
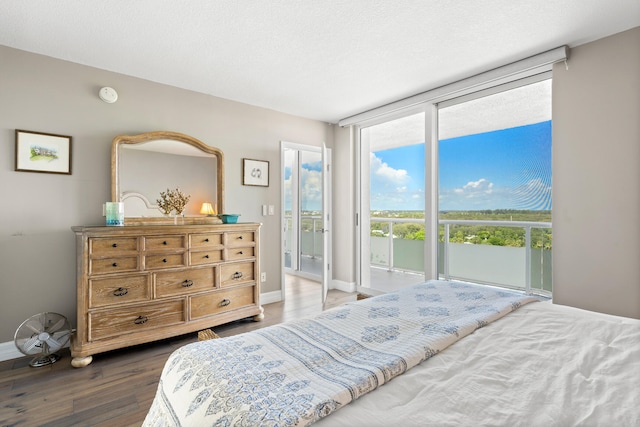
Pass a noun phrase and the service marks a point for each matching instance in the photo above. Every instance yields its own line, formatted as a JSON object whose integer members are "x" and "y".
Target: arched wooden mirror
{"x": 144, "y": 165}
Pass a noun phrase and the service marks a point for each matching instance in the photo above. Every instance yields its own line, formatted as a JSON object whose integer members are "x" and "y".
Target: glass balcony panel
{"x": 408, "y": 255}
{"x": 498, "y": 265}
{"x": 380, "y": 251}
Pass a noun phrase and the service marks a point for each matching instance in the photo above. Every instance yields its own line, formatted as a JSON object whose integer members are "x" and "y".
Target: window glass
{"x": 494, "y": 164}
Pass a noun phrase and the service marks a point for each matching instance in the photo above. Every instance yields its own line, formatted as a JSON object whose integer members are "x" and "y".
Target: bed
{"x": 438, "y": 353}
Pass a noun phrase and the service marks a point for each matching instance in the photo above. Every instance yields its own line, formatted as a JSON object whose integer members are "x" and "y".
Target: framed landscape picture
{"x": 43, "y": 152}
{"x": 255, "y": 172}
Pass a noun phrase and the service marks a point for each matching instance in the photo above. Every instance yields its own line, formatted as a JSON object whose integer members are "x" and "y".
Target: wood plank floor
{"x": 117, "y": 388}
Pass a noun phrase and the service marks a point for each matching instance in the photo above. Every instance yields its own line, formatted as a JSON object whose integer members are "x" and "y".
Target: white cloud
{"x": 391, "y": 188}
{"x": 476, "y": 188}
{"x": 385, "y": 174}
{"x": 311, "y": 191}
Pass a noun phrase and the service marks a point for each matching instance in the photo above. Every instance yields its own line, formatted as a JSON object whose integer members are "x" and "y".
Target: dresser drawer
{"x": 234, "y": 254}
{"x": 118, "y": 290}
{"x": 240, "y": 272}
{"x": 165, "y": 243}
{"x": 239, "y": 238}
{"x": 113, "y": 265}
{"x": 180, "y": 282}
{"x": 126, "y": 320}
{"x": 219, "y": 302}
{"x": 109, "y": 246}
{"x": 205, "y": 257}
{"x": 152, "y": 262}
{"x": 203, "y": 240}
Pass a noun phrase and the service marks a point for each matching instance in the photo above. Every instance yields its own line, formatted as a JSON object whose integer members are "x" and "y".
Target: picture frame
{"x": 43, "y": 152}
{"x": 255, "y": 172}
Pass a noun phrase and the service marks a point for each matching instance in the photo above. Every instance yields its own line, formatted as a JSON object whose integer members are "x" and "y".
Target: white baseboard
{"x": 269, "y": 297}
{"x": 343, "y": 286}
{"x": 9, "y": 351}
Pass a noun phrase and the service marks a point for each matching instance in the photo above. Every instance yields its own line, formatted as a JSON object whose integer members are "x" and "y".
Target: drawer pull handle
{"x": 187, "y": 283}
{"x": 141, "y": 320}
{"x": 115, "y": 264}
{"x": 120, "y": 292}
{"x": 206, "y": 240}
{"x": 240, "y": 237}
{"x": 240, "y": 253}
{"x": 225, "y": 302}
{"x": 206, "y": 256}
{"x": 165, "y": 243}
{"x": 164, "y": 260}
{"x": 115, "y": 245}
{"x": 237, "y": 275}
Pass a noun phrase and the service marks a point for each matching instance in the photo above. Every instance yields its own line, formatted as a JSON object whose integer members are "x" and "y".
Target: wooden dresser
{"x": 143, "y": 283}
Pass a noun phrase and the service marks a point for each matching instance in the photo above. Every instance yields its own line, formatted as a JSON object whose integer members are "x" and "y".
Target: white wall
{"x": 344, "y": 195}
{"x": 596, "y": 176}
{"x": 37, "y": 93}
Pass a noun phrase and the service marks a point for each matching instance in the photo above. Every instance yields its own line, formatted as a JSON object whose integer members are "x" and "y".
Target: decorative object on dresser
{"x": 114, "y": 212}
{"x": 138, "y": 284}
{"x": 229, "y": 218}
{"x": 173, "y": 200}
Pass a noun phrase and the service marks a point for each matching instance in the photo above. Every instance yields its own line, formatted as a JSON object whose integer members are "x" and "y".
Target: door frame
{"x": 326, "y": 270}
{"x": 363, "y": 248}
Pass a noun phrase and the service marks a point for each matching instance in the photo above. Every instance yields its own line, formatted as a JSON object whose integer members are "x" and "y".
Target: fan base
{"x": 44, "y": 360}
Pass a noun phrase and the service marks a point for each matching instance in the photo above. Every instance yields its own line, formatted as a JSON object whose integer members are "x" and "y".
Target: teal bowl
{"x": 230, "y": 218}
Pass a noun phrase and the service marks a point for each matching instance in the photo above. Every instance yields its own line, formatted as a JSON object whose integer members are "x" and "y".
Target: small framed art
{"x": 255, "y": 172}
{"x": 43, "y": 152}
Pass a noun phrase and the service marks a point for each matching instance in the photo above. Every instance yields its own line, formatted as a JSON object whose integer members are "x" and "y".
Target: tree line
{"x": 470, "y": 234}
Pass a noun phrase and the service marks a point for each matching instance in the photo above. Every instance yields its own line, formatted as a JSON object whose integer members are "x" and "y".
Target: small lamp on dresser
{"x": 207, "y": 209}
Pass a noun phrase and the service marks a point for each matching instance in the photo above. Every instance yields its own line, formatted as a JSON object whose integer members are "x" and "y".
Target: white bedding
{"x": 295, "y": 373}
{"x": 541, "y": 365}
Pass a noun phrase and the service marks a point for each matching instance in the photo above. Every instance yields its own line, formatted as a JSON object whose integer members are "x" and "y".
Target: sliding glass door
{"x": 494, "y": 174}
{"x": 489, "y": 186}
{"x": 392, "y": 203}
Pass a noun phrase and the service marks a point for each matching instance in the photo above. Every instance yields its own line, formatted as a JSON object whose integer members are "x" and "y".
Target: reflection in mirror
{"x": 145, "y": 165}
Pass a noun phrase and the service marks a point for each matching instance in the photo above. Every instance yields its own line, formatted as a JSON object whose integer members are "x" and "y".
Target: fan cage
{"x": 43, "y": 335}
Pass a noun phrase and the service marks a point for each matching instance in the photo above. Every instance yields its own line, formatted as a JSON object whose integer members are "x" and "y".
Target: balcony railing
{"x": 505, "y": 266}
{"x": 524, "y": 267}
{"x": 310, "y": 236}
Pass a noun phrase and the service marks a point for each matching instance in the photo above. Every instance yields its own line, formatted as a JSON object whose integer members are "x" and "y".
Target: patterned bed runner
{"x": 295, "y": 373}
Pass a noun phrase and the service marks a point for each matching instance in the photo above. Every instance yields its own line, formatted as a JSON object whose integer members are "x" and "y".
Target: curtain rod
{"x": 514, "y": 71}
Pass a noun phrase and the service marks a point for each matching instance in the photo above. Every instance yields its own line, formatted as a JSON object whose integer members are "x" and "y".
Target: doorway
{"x": 305, "y": 214}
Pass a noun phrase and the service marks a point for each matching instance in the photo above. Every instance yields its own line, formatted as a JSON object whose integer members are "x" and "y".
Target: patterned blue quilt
{"x": 295, "y": 373}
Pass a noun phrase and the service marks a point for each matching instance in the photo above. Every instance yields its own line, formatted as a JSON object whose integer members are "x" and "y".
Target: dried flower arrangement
{"x": 171, "y": 200}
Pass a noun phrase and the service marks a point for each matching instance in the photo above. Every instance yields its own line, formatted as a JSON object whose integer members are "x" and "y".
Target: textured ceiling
{"x": 321, "y": 59}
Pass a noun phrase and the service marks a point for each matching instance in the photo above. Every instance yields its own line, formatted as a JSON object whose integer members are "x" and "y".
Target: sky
{"x": 311, "y": 182}
{"x": 504, "y": 169}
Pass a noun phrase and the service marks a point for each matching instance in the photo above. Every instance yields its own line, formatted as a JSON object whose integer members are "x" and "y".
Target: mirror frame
{"x": 121, "y": 140}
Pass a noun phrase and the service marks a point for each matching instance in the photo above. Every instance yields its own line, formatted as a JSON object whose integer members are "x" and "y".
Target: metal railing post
{"x": 527, "y": 261}
{"x": 390, "y": 264}
{"x": 313, "y": 240}
{"x": 445, "y": 254}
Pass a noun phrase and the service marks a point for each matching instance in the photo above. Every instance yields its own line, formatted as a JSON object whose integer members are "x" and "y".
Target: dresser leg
{"x": 81, "y": 362}
{"x": 259, "y": 317}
